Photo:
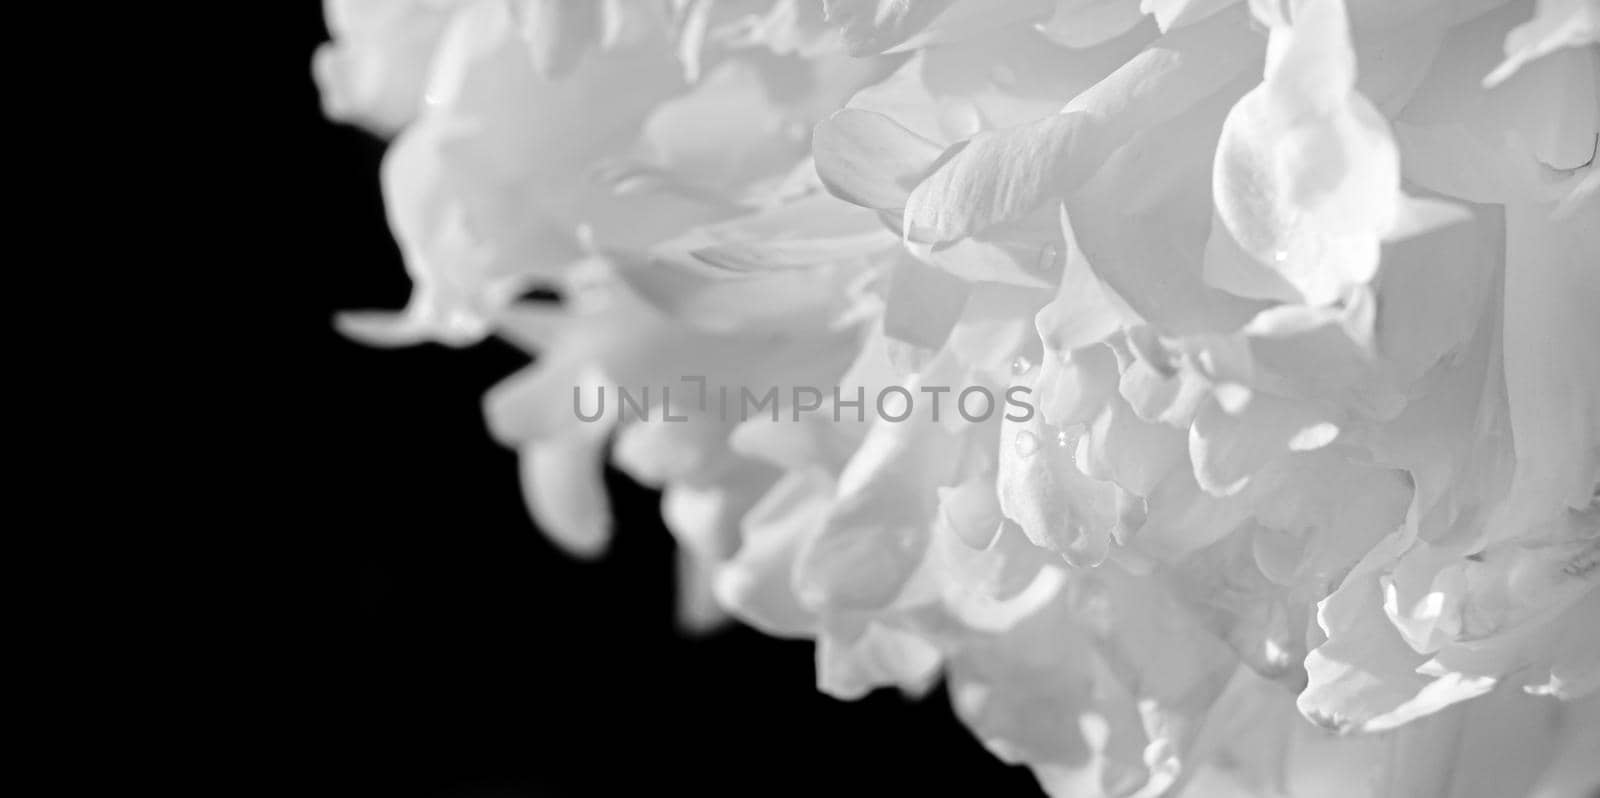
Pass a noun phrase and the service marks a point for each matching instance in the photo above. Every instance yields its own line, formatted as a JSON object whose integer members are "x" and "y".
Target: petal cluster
{"x": 1301, "y": 297}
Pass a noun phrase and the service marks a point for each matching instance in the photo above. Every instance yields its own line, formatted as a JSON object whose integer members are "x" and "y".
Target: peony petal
{"x": 1141, "y": 224}
{"x": 877, "y": 529}
{"x": 1087, "y": 23}
{"x": 1307, "y": 176}
{"x": 704, "y": 518}
{"x": 1043, "y": 491}
{"x": 869, "y": 159}
{"x": 1016, "y": 259}
{"x": 1365, "y": 670}
{"x": 1135, "y": 454}
{"x": 1085, "y": 311}
{"x": 1556, "y": 24}
{"x": 1553, "y": 382}
{"x": 1073, "y": 387}
{"x": 374, "y": 71}
{"x": 1171, "y": 14}
{"x": 543, "y": 401}
{"x": 1240, "y": 431}
{"x": 1003, "y": 175}
{"x": 972, "y": 511}
{"x": 755, "y": 585}
{"x": 880, "y": 26}
{"x": 558, "y": 32}
{"x": 725, "y": 133}
{"x": 1160, "y": 391}
{"x": 922, "y": 305}
{"x": 1180, "y": 518}
{"x": 848, "y": 669}
{"x": 564, "y": 489}
{"x": 658, "y": 452}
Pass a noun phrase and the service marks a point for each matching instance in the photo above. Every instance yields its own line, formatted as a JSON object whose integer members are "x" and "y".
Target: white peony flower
{"x": 1288, "y": 475}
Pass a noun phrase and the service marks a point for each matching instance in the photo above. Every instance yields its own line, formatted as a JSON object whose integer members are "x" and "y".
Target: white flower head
{"x": 1285, "y": 313}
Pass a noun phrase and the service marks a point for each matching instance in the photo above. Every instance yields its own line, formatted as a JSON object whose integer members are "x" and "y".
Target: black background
{"x": 448, "y": 650}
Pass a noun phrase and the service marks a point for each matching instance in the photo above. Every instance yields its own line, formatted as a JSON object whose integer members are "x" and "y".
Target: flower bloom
{"x": 1304, "y": 296}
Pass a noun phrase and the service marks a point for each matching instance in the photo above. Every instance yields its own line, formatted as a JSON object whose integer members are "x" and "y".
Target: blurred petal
{"x": 563, "y": 486}
{"x": 1555, "y": 24}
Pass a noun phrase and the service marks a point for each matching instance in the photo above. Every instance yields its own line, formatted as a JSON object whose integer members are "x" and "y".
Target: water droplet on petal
{"x": 1049, "y": 254}
{"x": 1274, "y": 656}
{"x": 1027, "y": 444}
{"x": 1022, "y": 365}
{"x": 1280, "y": 256}
{"x": 1063, "y": 439}
{"x": 1088, "y": 548}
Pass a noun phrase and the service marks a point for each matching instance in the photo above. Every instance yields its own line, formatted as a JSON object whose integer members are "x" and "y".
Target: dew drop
{"x": 1063, "y": 439}
{"x": 1274, "y": 655}
{"x": 1027, "y": 444}
{"x": 1049, "y": 254}
{"x": 1022, "y": 365}
{"x": 1280, "y": 255}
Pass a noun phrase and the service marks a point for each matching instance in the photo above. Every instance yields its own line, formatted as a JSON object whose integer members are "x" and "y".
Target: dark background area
{"x": 443, "y": 647}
